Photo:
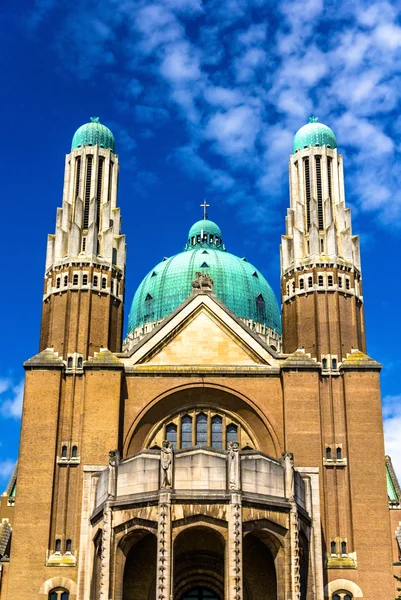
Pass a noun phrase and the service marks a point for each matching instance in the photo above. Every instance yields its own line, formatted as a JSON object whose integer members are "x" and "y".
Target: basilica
{"x": 226, "y": 448}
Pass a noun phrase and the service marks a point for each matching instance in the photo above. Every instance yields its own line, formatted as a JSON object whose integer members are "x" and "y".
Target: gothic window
{"x": 69, "y": 362}
{"x": 75, "y": 279}
{"x": 186, "y": 431}
{"x": 84, "y": 280}
{"x": 347, "y": 283}
{"x": 68, "y": 546}
{"x": 57, "y": 547}
{"x": 329, "y": 176}
{"x": 340, "y": 282}
{"x": 339, "y": 453}
{"x": 232, "y": 433}
{"x": 65, "y": 280}
{"x": 74, "y": 452}
{"x": 95, "y": 281}
{"x": 301, "y": 284}
{"x": 310, "y": 281}
{"x": 104, "y": 283}
{"x": 320, "y": 280}
{"x": 80, "y": 362}
{"x": 328, "y": 453}
{"x": 99, "y": 189}
{"x": 343, "y": 547}
{"x": 324, "y": 363}
{"x": 217, "y": 432}
{"x": 334, "y": 363}
{"x": 171, "y": 434}
{"x": 333, "y": 548}
{"x": 201, "y": 429}
{"x": 64, "y": 452}
{"x": 260, "y": 308}
{"x": 58, "y": 282}
{"x": 330, "y": 280}
{"x": 59, "y": 594}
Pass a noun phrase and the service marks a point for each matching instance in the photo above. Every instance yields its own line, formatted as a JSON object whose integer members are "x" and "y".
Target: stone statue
{"x": 166, "y": 463}
{"x": 233, "y": 465}
{"x": 202, "y": 283}
{"x": 287, "y": 460}
{"x": 114, "y": 458}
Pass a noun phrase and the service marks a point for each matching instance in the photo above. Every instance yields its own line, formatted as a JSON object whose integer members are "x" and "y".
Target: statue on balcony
{"x": 233, "y": 465}
{"x": 166, "y": 462}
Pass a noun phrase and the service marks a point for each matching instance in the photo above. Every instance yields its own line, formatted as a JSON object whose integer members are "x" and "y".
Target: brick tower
{"x": 85, "y": 262}
{"x": 320, "y": 258}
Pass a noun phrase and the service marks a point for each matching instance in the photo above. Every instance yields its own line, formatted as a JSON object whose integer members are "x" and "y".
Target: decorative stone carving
{"x": 202, "y": 283}
{"x": 287, "y": 460}
{"x": 114, "y": 458}
{"x": 166, "y": 465}
{"x": 235, "y": 548}
{"x": 233, "y": 466}
{"x": 164, "y": 548}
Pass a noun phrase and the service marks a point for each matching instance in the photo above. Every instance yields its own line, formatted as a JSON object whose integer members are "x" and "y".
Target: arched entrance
{"x": 260, "y": 582}
{"x": 199, "y": 564}
{"x": 139, "y": 581}
{"x": 200, "y": 593}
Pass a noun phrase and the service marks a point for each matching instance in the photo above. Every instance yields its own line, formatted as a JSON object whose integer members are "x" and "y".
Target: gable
{"x": 203, "y": 341}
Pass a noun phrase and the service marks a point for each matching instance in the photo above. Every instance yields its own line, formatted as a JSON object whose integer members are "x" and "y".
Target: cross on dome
{"x": 313, "y": 119}
{"x": 205, "y": 207}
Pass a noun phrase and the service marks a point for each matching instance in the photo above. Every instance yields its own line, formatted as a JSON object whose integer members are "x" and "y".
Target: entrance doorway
{"x": 200, "y": 593}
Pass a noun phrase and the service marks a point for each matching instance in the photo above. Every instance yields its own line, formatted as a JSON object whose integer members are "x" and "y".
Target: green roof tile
{"x": 93, "y": 134}
{"x": 314, "y": 134}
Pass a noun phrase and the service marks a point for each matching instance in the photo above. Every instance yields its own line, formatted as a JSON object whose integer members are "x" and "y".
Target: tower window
{"x": 77, "y": 176}
{"x": 186, "y": 431}
{"x": 99, "y": 190}
{"x": 328, "y": 453}
{"x": 321, "y": 245}
{"x": 307, "y": 192}
{"x": 293, "y": 287}
{"x": 330, "y": 280}
{"x": 84, "y": 280}
{"x": 112, "y": 286}
{"x": 104, "y": 283}
{"x": 74, "y": 452}
{"x": 87, "y": 191}
{"x": 79, "y": 362}
{"x": 334, "y": 363}
{"x": 340, "y": 282}
{"x": 65, "y": 280}
{"x": 217, "y": 432}
{"x": 57, "y": 547}
{"x": 343, "y": 548}
{"x": 339, "y": 453}
{"x": 75, "y": 280}
{"x": 83, "y": 244}
{"x": 95, "y": 281}
{"x": 58, "y": 282}
{"x": 329, "y": 175}
{"x": 301, "y": 284}
{"x": 324, "y": 363}
{"x": 59, "y": 594}
{"x": 69, "y": 362}
{"x": 64, "y": 451}
{"x": 310, "y": 281}
{"x": 319, "y": 196}
{"x": 171, "y": 434}
{"x": 333, "y": 548}
{"x": 201, "y": 429}
{"x": 232, "y": 433}
{"x": 68, "y": 546}
{"x": 347, "y": 284}
{"x": 320, "y": 280}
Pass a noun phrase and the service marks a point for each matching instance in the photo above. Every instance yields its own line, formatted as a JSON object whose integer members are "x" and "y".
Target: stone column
{"x": 164, "y": 554}
{"x": 107, "y": 530}
{"x": 234, "y": 581}
{"x": 287, "y": 460}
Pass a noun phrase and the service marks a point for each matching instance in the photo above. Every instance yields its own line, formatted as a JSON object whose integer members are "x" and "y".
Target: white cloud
{"x": 392, "y": 430}
{"x": 11, "y": 399}
{"x": 6, "y": 468}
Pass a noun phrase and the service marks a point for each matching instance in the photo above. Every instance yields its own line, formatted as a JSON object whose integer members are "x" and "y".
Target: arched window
{"x": 171, "y": 434}
{"x": 69, "y": 362}
{"x": 328, "y": 453}
{"x": 57, "y": 547}
{"x": 339, "y": 453}
{"x": 68, "y": 546}
{"x": 201, "y": 429}
{"x": 79, "y": 362}
{"x": 330, "y": 280}
{"x": 301, "y": 284}
{"x": 95, "y": 281}
{"x": 347, "y": 284}
{"x": 320, "y": 280}
{"x": 340, "y": 282}
{"x": 104, "y": 282}
{"x": 85, "y": 280}
{"x": 333, "y": 548}
{"x": 217, "y": 432}
{"x": 334, "y": 363}
{"x": 58, "y": 282}
{"x": 75, "y": 279}
{"x": 341, "y": 595}
{"x": 65, "y": 280}
{"x": 59, "y": 594}
{"x": 64, "y": 452}
{"x": 232, "y": 433}
{"x": 186, "y": 431}
{"x": 324, "y": 363}
{"x": 344, "y": 547}
{"x": 112, "y": 286}
{"x": 293, "y": 287}
{"x": 74, "y": 452}
{"x": 310, "y": 281}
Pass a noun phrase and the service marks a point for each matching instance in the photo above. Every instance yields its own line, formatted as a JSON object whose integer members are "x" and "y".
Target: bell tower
{"x": 321, "y": 281}
{"x": 85, "y": 261}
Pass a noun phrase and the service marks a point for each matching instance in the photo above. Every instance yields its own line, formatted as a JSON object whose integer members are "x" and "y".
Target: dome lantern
{"x": 314, "y": 134}
{"x": 93, "y": 133}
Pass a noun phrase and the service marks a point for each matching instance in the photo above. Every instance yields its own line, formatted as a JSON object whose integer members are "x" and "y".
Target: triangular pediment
{"x": 202, "y": 332}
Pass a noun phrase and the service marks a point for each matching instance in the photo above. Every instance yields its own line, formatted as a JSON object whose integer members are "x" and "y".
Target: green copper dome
{"x": 237, "y": 283}
{"x": 93, "y": 134}
{"x": 314, "y": 134}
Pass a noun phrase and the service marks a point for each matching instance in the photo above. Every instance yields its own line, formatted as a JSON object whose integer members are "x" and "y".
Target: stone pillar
{"x": 105, "y": 553}
{"x": 234, "y": 581}
{"x": 164, "y": 554}
{"x": 287, "y": 460}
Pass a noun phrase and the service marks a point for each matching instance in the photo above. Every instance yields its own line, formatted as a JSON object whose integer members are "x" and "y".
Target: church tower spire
{"x": 85, "y": 260}
{"x": 320, "y": 257}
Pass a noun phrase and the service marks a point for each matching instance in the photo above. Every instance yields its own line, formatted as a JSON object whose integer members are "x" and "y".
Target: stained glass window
{"x": 201, "y": 430}
{"x": 171, "y": 434}
{"x": 232, "y": 433}
{"x": 186, "y": 431}
{"x": 217, "y": 432}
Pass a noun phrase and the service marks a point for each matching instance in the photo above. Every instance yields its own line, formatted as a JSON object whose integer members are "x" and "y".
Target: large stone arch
{"x": 55, "y": 582}
{"x": 199, "y": 394}
{"x": 135, "y": 566}
{"x": 340, "y": 585}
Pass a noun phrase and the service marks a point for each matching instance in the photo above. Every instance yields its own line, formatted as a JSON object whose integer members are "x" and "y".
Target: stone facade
{"x": 200, "y": 457}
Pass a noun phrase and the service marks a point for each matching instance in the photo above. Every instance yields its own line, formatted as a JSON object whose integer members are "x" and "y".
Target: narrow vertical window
{"x": 83, "y": 244}
{"x": 320, "y": 280}
{"x": 69, "y": 362}
{"x": 319, "y": 192}
{"x": 333, "y": 549}
{"x": 343, "y": 547}
{"x": 329, "y": 175}
{"x": 217, "y": 432}
{"x": 321, "y": 245}
{"x": 340, "y": 282}
{"x": 201, "y": 430}
{"x": 77, "y": 175}
{"x": 65, "y": 596}
{"x": 75, "y": 280}
{"x": 84, "y": 280}
{"x": 301, "y": 284}
{"x": 112, "y": 286}
{"x": 65, "y": 280}
{"x": 330, "y": 280}
{"x": 104, "y": 282}
{"x": 68, "y": 546}
{"x": 87, "y": 191}
{"x": 310, "y": 281}
{"x": 95, "y": 281}
{"x": 324, "y": 363}
{"x": 64, "y": 452}
{"x": 110, "y": 182}
{"x": 58, "y": 546}
{"x": 347, "y": 284}
{"x": 186, "y": 431}
{"x": 58, "y": 282}
{"x": 74, "y": 452}
{"x": 99, "y": 190}
{"x": 232, "y": 433}
{"x": 339, "y": 453}
{"x": 171, "y": 434}
{"x": 334, "y": 363}
{"x": 79, "y": 362}
{"x": 328, "y": 453}
{"x": 307, "y": 192}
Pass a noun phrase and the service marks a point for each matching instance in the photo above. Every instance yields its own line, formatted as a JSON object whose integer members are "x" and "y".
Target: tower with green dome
{"x": 236, "y": 282}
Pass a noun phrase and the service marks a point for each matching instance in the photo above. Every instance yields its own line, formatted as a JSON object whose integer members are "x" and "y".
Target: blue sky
{"x": 204, "y": 99}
